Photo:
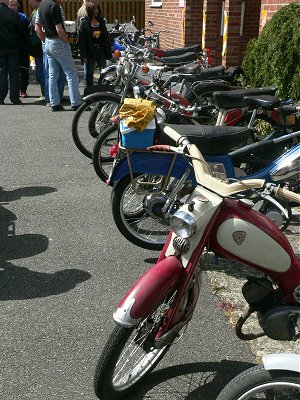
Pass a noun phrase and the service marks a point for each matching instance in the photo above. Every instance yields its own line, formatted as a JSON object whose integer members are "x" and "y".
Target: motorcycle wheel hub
{"x": 153, "y": 204}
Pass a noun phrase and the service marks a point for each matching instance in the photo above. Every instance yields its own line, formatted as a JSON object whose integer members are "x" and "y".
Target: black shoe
{"x": 58, "y": 108}
{"x": 17, "y": 102}
{"x": 75, "y": 108}
{"x": 1, "y": 102}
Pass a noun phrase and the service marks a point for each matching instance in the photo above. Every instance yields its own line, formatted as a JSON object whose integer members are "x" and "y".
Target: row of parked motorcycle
{"x": 207, "y": 182}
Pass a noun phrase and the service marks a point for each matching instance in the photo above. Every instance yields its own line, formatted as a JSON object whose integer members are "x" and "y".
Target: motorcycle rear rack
{"x": 148, "y": 186}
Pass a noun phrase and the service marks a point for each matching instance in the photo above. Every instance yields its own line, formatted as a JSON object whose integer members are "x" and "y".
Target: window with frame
{"x": 156, "y": 3}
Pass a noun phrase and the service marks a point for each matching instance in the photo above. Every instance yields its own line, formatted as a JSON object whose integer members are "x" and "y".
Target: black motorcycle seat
{"x": 209, "y": 139}
{"x": 235, "y": 98}
{"x": 182, "y": 50}
{"x": 264, "y": 101}
{"x": 205, "y": 74}
{"x": 190, "y": 69}
{"x": 177, "y": 60}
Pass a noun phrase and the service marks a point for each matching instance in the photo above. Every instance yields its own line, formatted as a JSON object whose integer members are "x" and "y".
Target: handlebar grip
{"x": 287, "y": 194}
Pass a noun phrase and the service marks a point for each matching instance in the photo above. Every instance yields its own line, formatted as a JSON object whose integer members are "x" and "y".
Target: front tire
{"x": 258, "y": 383}
{"x": 115, "y": 377}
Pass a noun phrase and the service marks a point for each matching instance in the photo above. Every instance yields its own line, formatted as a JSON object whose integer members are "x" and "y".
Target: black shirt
{"x": 50, "y": 15}
{"x": 10, "y": 29}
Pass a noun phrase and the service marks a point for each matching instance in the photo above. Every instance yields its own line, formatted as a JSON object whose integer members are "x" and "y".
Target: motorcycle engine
{"x": 281, "y": 322}
{"x": 260, "y": 293}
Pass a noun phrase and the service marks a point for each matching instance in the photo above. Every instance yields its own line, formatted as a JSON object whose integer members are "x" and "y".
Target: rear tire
{"x": 102, "y": 160}
{"x": 91, "y": 118}
{"x": 131, "y": 217}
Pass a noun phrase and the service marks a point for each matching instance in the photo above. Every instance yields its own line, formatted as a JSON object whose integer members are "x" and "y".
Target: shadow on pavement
{"x": 195, "y": 381}
{"x": 17, "y": 283}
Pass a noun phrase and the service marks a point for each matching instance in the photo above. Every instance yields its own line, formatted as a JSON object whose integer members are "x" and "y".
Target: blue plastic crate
{"x": 131, "y": 138}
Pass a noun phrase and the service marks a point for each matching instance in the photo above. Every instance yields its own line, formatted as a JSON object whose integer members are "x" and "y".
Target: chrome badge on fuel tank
{"x": 239, "y": 237}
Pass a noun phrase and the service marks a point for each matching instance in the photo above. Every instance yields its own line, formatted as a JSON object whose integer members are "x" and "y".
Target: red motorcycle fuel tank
{"x": 250, "y": 237}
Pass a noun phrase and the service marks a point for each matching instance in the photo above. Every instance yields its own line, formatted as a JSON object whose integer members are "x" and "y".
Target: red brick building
{"x": 224, "y": 26}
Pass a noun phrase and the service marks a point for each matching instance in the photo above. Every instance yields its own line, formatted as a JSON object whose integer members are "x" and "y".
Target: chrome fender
{"x": 151, "y": 163}
{"x": 148, "y": 292}
{"x": 285, "y": 361}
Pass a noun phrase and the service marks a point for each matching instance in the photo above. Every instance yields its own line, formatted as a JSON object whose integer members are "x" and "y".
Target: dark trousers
{"x": 24, "y": 71}
{"x": 9, "y": 67}
{"x": 99, "y": 60}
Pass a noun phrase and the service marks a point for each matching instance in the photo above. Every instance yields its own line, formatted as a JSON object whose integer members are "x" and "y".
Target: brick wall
{"x": 185, "y": 24}
{"x": 269, "y": 7}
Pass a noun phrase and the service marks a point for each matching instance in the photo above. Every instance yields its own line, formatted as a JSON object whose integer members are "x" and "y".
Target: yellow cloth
{"x": 137, "y": 113}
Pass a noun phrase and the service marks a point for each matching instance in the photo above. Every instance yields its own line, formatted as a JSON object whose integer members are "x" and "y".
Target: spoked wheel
{"x": 274, "y": 214}
{"x": 91, "y": 118}
{"x": 205, "y": 97}
{"x": 102, "y": 160}
{"x": 258, "y": 383}
{"x": 138, "y": 212}
{"x": 129, "y": 355}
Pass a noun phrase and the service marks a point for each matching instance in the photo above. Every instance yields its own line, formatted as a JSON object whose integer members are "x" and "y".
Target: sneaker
{"x": 58, "y": 108}
{"x": 48, "y": 104}
{"x": 17, "y": 102}
{"x": 24, "y": 94}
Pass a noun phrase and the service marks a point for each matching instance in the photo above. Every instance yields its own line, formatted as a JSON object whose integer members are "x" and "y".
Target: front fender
{"x": 285, "y": 361}
{"x": 148, "y": 292}
{"x": 151, "y": 163}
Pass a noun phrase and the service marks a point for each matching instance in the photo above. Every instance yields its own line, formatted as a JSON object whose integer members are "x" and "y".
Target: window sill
{"x": 156, "y": 5}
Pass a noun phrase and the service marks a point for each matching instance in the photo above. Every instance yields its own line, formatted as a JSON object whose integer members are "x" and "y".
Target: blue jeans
{"x": 60, "y": 82}
{"x": 59, "y": 55}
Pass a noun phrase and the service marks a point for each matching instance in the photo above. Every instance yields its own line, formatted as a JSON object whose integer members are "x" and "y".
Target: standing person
{"x": 10, "y": 36}
{"x": 24, "y": 55}
{"x": 37, "y": 51}
{"x": 61, "y": 81}
{"x": 93, "y": 40}
{"x": 58, "y": 52}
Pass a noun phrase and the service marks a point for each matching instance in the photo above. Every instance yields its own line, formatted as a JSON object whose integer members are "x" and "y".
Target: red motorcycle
{"x": 217, "y": 217}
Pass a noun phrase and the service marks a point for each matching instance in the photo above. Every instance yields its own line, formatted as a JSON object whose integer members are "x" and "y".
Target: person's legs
{"x": 100, "y": 58}
{"x": 24, "y": 73}
{"x": 61, "y": 83}
{"x": 62, "y": 53}
{"x": 53, "y": 72}
{"x": 3, "y": 75}
{"x": 39, "y": 72}
{"x": 90, "y": 67}
{"x": 13, "y": 71}
{"x": 46, "y": 74}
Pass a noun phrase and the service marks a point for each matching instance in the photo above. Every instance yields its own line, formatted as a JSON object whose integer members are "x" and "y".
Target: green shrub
{"x": 274, "y": 57}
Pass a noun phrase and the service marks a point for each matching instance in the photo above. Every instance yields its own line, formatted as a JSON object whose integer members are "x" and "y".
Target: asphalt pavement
{"x": 65, "y": 266}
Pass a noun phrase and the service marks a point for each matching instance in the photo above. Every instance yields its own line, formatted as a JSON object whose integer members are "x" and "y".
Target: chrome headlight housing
{"x": 183, "y": 224}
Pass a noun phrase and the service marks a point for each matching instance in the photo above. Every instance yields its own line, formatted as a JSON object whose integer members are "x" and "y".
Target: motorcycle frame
{"x": 176, "y": 273}
{"x": 159, "y": 163}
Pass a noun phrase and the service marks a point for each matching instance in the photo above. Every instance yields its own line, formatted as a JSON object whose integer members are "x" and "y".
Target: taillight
{"x": 113, "y": 151}
{"x": 233, "y": 116}
{"x": 209, "y": 60}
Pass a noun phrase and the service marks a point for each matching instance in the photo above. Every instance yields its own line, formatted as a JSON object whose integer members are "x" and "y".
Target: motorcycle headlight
{"x": 138, "y": 91}
{"x": 183, "y": 224}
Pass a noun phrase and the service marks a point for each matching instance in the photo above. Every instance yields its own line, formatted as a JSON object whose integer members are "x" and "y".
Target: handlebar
{"x": 287, "y": 194}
